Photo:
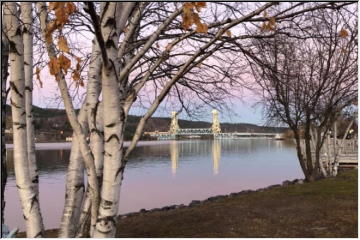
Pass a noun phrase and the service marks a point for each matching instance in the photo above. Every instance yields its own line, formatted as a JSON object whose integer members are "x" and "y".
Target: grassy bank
{"x": 326, "y": 208}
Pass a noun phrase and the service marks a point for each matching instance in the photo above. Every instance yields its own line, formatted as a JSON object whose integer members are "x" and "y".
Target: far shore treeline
{"x": 52, "y": 125}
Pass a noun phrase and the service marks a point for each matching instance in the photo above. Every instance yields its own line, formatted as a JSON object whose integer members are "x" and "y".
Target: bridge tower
{"x": 215, "y": 124}
{"x": 174, "y": 125}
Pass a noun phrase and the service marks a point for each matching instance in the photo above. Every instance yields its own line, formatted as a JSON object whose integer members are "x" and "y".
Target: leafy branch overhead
{"x": 190, "y": 16}
{"x": 61, "y": 64}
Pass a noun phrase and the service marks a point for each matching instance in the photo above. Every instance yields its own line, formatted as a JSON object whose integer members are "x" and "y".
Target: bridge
{"x": 175, "y": 131}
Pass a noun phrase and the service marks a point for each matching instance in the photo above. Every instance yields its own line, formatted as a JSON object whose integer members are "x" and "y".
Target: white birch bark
{"x": 114, "y": 19}
{"x": 97, "y": 148}
{"x": 77, "y": 223}
{"x": 70, "y": 112}
{"x": 28, "y": 197}
{"x": 74, "y": 186}
{"x": 26, "y": 16}
{"x": 4, "y": 76}
{"x": 95, "y": 111}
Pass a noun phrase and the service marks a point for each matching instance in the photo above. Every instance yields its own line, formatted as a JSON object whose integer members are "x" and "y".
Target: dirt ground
{"x": 326, "y": 208}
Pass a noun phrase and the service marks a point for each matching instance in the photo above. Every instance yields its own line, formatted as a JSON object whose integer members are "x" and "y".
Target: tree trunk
{"x": 75, "y": 125}
{"x": 75, "y": 227}
{"x": 28, "y": 197}
{"x": 26, "y": 12}
{"x": 74, "y": 186}
{"x": 97, "y": 148}
{"x": 4, "y": 76}
{"x": 302, "y": 161}
{"x": 115, "y": 18}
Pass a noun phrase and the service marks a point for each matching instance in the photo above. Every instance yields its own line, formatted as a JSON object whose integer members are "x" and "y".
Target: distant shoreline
{"x": 67, "y": 145}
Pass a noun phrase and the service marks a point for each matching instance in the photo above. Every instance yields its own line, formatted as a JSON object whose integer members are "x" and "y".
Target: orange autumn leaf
{"x": 37, "y": 72}
{"x": 200, "y": 4}
{"x": 51, "y": 26}
{"x": 78, "y": 59}
{"x": 61, "y": 16}
{"x": 48, "y": 37}
{"x": 228, "y": 33}
{"x": 187, "y": 7}
{"x": 78, "y": 66}
{"x": 187, "y": 22}
{"x": 54, "y": 5}
{"x": 267, "y": 27}
{"x": 81, "y": 83}
{"x": 63, "y": 46}
{"x": 54, "y": 66}
{"x": 190, "y": 16}
{"x": 272, "y": 21}
{"x": 76, "y": 76}
{"x": 64, "y": 63}
{"x": 343, "y": 33}
{"x": 196, "y": 18}
{"x": 70, "y": 8}
{"x": 201, "y": 28}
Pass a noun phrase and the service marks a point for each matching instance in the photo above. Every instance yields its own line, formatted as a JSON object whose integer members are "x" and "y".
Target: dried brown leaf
{"x": 70, "y": 8}
{"x": 61, "y": 17}
{"x": 54, "y": 5}
{"x": 187, "y": 22}
{"x": 272, "y": 21}
{"x": 54, "y": 66}
{"x": 201, "y": 28}
{"x": 199, "y": 5}
{"x": 63, "y": 46}
{"x": 64, "y": 63}
{"x": 76, "y": 76}
{"x": 228, "y": 33}
{"x": 343, "y": 33}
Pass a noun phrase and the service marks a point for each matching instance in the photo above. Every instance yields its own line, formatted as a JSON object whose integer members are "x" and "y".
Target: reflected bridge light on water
{"x": 174, "y": 156}
{"x": 216, "y": 155}
{"x": 175, "y": 152}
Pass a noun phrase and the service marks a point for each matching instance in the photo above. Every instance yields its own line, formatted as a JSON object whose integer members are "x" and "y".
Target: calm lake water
{"x": 167, "y": 172}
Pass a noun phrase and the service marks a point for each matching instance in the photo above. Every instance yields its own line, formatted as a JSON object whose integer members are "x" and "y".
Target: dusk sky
{"x": 244, "y": 110}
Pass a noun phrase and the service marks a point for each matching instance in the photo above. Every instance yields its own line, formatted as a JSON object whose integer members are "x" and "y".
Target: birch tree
{"x": 4, "y": 76}
{"x": 160, "y": 50}
{"x": 26, "y": 12}
{"x": 126, "y": 70}
{"x": 59, "y": 71}
{"x": 28, "y": 194}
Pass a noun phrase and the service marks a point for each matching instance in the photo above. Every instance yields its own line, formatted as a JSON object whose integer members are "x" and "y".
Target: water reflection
{"x": 186, "y": 148}
{"x": 153, "y": 177}
{"x": 216, "y": 155}
{"x": 174, "y": 156}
